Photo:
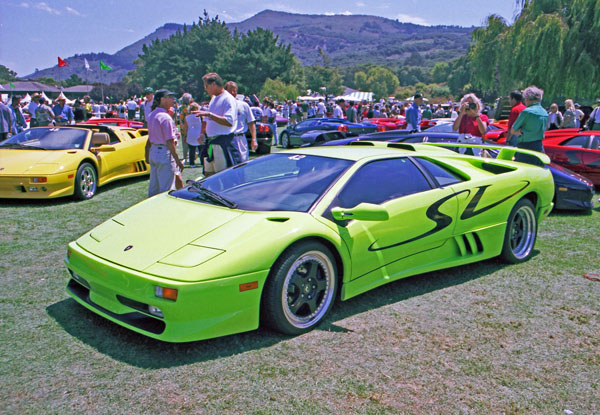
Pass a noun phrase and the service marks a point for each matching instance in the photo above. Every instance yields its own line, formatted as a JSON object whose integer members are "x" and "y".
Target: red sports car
{"x": 576, "y": 150}
{"x": 115, "y": 122}
{"x": 388, "y": 123}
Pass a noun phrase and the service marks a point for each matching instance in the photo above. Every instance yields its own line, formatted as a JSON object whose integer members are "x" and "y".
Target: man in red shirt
{"x": 516, "y": 101}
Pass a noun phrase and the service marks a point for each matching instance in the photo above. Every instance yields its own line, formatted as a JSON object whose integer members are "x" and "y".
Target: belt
{"x": 159, "y": 146}
{"x": 240, "y": 135}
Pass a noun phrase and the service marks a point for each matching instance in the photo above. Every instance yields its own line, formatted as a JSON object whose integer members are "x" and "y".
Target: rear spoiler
{"x": 505, "y": 152}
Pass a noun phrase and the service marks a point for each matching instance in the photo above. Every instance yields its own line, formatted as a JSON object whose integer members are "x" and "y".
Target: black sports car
{"x": 296, "y": 135}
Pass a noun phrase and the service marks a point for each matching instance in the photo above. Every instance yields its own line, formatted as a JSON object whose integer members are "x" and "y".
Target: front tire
{"x": 285, "y": 140}
{"x": 301, "y": 289}
{"x": 86, "y": 182}
{"x": 521, "y": 233}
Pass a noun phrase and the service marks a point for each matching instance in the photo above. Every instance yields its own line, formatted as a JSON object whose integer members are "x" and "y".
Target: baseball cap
{"x": 418, "y": 95}
{"x": 164, "y": 93}
{"x": 148, "y": 91}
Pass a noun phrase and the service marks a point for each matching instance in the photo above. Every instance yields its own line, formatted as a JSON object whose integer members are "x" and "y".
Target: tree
{"x": 72, "y": 81}
{"x": 7, "y": 75}
{"x": 278, "y": 90}
{"x": 440, "y": 72}
{"x": 552, "y": 44}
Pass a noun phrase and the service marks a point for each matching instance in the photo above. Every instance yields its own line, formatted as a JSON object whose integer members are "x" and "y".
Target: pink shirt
{"x": 161, "y": 127}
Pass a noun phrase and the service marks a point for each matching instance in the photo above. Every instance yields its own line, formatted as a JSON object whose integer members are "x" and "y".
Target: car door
{"x": 591, "y": 160}
{"x": 570, "y": 153}
{"x": 303, "y": 127}
{"x": 421, "y": 217}
{"x": 118, "y": 162}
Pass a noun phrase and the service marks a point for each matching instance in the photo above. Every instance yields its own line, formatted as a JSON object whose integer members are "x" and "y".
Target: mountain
{"x": 347, "y": 40}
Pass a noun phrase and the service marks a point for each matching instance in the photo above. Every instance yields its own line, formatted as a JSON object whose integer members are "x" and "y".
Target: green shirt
{"x": 532, "y": 122}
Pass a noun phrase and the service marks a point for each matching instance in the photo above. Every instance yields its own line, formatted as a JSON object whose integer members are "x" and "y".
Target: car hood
{"x": 178, "y": 239}
{"x": 14, "y": 162}
{"x": 150, "y": 231}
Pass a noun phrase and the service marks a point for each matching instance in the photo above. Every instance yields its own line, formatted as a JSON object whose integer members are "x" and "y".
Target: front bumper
{"x": 23, "y": 187}
{"x": 203, "y": 309}
{"x": 574, "y": 199}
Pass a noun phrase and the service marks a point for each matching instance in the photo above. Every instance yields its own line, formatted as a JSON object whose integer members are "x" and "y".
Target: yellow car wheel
{"x": 86, "y": 182}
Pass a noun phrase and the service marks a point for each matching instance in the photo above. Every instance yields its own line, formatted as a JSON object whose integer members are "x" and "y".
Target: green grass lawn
{"x": 481, "y": 339}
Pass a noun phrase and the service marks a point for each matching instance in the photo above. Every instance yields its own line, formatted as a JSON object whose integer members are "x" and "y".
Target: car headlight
{"x": 191, "y": 256}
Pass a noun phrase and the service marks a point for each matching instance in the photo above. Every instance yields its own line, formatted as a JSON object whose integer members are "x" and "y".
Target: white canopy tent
{"x": 411, "y": 99}
{"x": 357, "y": 96}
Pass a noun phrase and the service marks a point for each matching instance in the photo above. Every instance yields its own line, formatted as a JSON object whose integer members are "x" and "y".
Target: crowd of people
{"x": 215, "y": 132}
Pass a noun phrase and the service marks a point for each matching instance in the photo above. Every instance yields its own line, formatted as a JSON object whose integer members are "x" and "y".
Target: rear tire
{"x": 521, "y": 233}
{"x": 301, "y": 289}
{"x": 86, "y": 182}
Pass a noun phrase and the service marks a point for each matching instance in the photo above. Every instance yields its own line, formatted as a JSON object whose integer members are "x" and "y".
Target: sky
{"x": 33, "y": 34}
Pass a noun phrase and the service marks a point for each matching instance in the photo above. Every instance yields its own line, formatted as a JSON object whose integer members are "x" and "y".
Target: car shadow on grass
{"x": 141, "y": 351}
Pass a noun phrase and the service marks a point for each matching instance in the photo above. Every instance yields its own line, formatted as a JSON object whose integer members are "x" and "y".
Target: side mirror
{"x": 363, "y": 211}
{"x": 105, "y": 148}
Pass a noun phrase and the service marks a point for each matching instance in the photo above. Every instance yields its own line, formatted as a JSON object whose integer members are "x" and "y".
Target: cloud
{"x": 360, "y": 4}
{"x": 44, "y": 7}
{"x": 73, "y": 11}
{"x": 346, "y": 13}
{"x": 405, "y": 18}
{"x": 23, "y": 4}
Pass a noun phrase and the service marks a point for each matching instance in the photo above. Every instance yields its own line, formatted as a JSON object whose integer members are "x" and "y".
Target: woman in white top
{"x": 555, "y": 118}
{"x": 193, "y": 133}
{"x": 569, "y": 117}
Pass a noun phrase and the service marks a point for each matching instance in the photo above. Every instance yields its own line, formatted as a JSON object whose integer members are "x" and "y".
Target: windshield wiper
{"x": 21, "y": 146}
{"x": 197, "y": 186}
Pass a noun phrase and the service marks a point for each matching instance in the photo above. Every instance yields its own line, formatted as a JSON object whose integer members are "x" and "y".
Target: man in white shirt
{"x": 131, "y": 108}
{"x": 31, "y": 109}
{"x": 337, "y": 111}
{"x": 221, "y": 121}
{"x": 321, "y": 109}
{"x": 245, "y": 122}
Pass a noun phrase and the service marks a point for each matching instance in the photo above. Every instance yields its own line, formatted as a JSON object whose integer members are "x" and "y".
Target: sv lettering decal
{"x": 442, "y": 220}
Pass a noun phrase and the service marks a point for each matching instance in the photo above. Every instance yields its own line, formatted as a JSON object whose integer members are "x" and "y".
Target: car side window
{"x": 595, "y": 143}
{"x": 382, "y": 180}
{"x": 441, "y": 174}
{"x": 579, "y": 141}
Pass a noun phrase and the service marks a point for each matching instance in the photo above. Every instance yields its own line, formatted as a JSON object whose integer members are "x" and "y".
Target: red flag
{"x": 61, "y": 63}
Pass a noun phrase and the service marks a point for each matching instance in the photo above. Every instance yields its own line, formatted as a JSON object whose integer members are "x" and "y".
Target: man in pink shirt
{"x": 161, "y": 153}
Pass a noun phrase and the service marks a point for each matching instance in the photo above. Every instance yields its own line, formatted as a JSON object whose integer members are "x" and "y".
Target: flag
{"x": 61, "y": 62}
{"x": 86, "y": 64}
{"x": 12, "y": 85}
{"x": 105, "y": 66}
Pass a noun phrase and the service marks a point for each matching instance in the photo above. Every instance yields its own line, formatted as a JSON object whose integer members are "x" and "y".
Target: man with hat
{"x": 413, "y": 114}
{"x": 161, "y": 153}
{"x": 35, "y": 98}
{"x": 146, "y": 107}
{"x": 63, "y": 114}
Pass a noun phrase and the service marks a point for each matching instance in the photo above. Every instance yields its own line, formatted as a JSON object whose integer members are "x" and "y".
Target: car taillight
{"x": 380, "y": 128}
{"x": 342, "y": 128}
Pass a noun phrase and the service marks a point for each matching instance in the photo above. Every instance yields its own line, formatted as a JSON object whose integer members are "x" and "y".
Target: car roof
{"x": 368, "y": 149}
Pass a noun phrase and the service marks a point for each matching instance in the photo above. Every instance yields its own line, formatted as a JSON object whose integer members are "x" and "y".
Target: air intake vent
{"x": 469, "y": 244}
{"x": 278, "y": 219}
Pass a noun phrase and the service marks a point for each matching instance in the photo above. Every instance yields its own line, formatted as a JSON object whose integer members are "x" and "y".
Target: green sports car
{"x": 277, "y": 239}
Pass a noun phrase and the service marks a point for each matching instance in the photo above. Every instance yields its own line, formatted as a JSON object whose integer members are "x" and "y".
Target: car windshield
{"x": 289, "y": 182}
{"x": 48, "y": 139}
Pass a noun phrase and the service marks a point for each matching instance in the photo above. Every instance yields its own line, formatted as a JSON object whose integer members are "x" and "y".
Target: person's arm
{"x": 254, "y": 143}
{"x": 173, "y": 150}
{"x": 458, "y": 120}
{"x": 516, "y": 128}
{"x": 184, "y": 130}
{"x": 147, "y": 151}
{"x": 481, "y": 125}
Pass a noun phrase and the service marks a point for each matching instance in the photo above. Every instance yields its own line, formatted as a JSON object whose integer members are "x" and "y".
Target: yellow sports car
{"x": 49, "y": 162}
